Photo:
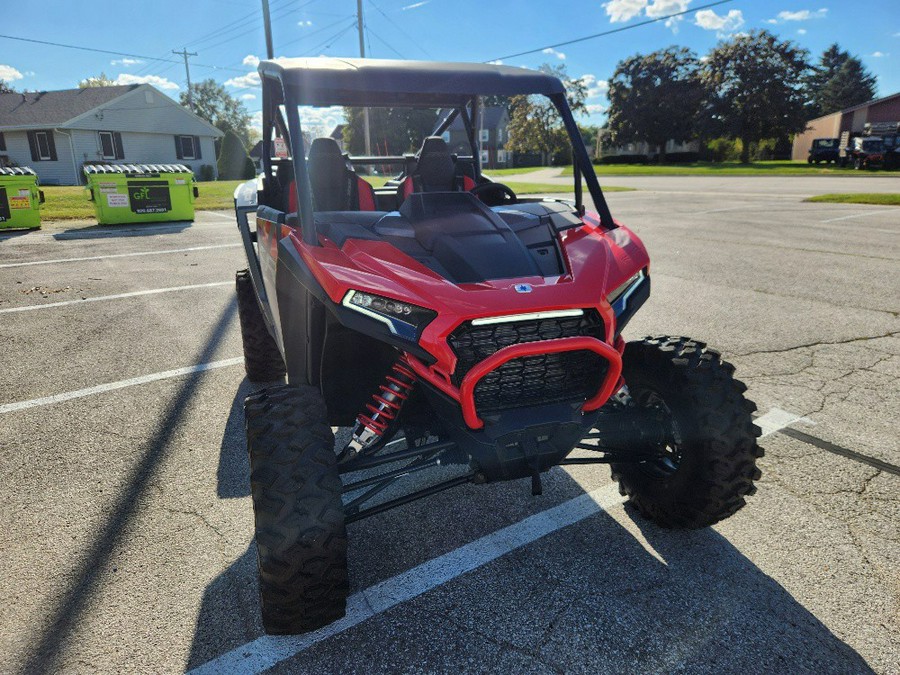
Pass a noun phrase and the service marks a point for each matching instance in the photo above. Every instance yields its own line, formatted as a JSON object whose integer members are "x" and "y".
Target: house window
{"x": 2, "y": 142}
{"x": 485, "y": 135}
{"x": 501, "y": 156}
{"x": 107, "y": 145}
{"x": 43, "y": 145}
{"x": 188, "y": 150}
{"x": 484, "y": 157}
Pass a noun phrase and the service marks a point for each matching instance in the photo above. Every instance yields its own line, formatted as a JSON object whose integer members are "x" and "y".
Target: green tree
{"x": 233, "y": 157}
{"x": 838, "y": 81}
{"x": 534, "y": 123}
{"x": 101, "y": 80}
{"x": 755, "y": 88}
{"x": 656, "y": 97}
{"x": 219, "y": 108}
{"x": 5, "y": 88}
{"x": 393, "y": 131}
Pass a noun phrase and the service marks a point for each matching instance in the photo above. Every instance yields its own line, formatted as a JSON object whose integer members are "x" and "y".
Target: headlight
{"x": 403, "y": 319}
{"x": 619, "y": 297}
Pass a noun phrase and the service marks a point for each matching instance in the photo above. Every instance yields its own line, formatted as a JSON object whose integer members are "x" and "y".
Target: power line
{"x": 403, "y": 32}
{"x": 385, "y": 42}
{"x": 614, "y": 30}
{"x": 111, "y": 52}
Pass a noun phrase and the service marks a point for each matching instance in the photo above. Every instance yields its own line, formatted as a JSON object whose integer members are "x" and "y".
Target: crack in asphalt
{"x": 821, "y": 343}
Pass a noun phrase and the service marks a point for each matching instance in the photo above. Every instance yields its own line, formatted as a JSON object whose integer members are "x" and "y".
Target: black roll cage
{"x": 278, "y": 94}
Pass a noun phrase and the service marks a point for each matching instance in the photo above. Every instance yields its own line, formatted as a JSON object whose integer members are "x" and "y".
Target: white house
{"x": 57, "y": 132}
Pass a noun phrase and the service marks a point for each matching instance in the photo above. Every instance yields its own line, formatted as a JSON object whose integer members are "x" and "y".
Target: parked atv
{"x": 447, "y": 320}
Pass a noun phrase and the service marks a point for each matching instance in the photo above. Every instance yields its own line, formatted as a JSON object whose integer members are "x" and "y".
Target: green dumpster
{"x": 20, "y": 199}
{"x": 141, "y": 193}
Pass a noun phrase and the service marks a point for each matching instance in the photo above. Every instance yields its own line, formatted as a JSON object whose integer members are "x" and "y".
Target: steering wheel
{"x": 495, "y": 194}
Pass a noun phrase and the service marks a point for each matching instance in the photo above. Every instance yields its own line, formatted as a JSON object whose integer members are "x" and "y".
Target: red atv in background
{"x": 447, "y": 321}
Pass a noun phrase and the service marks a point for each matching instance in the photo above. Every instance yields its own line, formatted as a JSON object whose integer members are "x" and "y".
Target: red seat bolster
{"x": 366, "y": 194}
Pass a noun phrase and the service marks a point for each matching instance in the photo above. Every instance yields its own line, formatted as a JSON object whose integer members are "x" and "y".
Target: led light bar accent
{"x": 619, "y": 297}
{"x": 402, "y": 319}
{"x": 531, "y": 316}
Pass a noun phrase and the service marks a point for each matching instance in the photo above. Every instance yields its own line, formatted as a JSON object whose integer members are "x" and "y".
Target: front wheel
{"x": 301, "y": 538}
{"x": 708, "y": 468}
{"x": 262, "y": 360}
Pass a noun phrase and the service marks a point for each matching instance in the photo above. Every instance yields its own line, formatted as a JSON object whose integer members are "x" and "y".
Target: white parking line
{"x": 265, "y": 652}
{"x": 852, "y": 215}
{"x": 119, "y": 255}
{"x": 777, "y": 419}
{"x": 228, "y": 216}
{"x": 121, "y": 384}
{"x": 117, "y": 296}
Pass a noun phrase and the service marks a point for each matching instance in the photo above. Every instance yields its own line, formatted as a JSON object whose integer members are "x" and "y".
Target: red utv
{"x": 444, "y": 320}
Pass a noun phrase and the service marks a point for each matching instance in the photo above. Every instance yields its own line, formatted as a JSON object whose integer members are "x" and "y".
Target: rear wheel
{"x": 262, "y": 360}
{"x": 710, "y": 464}
{"x": 301, "y": 538}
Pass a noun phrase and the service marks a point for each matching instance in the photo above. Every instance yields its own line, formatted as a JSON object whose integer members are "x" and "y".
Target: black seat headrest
{"x": 436, "y": 168}
{"x": 328, "y": 175}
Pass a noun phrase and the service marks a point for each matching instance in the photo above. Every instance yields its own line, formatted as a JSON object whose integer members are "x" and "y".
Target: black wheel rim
{"x": 672, "y": 452}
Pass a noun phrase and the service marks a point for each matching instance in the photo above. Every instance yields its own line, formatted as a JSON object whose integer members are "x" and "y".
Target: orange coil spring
{"x": 389, "y": 399}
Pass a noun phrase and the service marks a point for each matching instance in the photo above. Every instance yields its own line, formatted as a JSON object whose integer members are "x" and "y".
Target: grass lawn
{"x": 70, "y": 202}
{"x": 774, "y": 168}
{"x": 885, "y": 199}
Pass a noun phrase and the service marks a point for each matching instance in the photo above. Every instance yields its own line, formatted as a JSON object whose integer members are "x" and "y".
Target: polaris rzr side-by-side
{"x": 447, "y": 321}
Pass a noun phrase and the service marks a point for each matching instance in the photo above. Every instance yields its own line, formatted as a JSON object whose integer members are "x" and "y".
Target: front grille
{"x": 530, "y": 380}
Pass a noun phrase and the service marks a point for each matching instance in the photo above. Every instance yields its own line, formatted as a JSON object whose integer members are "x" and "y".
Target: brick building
{"x": 852, "y": 120}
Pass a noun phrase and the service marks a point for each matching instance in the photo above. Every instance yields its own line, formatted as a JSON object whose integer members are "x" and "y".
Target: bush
{"x": 624, "y": 159}
{"x": 723, "y": 150}
{"x": 232, "y": 158}
{"x": 206, "y": 173}
{"x": 249, "y": 169}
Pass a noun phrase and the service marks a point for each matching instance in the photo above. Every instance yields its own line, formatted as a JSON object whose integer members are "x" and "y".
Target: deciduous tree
{"x": 214, "y": 104}
{"x": 755, "y": 88}
{"x": 101, "y": 80}
{"x": 656, "y": 97}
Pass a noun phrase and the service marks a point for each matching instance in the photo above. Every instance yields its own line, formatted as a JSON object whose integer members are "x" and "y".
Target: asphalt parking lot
{"x": 126, "y": 526}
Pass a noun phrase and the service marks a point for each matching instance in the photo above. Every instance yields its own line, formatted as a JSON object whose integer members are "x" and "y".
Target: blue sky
{"x": 227, "y": 34}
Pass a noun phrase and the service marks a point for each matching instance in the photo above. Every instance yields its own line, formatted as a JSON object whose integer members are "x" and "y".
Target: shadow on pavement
{"x": 591, "y": 597}
{"x": 64, "y": 617}
{"x": 115, "y": 231}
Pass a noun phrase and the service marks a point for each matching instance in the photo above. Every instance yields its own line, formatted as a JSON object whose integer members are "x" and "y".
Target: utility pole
{"x": 267, "y": 23}
{"x": 187, "y": 70}
{"x": 362, "y": 54}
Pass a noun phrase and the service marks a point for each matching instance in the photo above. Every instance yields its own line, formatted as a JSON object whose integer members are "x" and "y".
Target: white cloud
{"x": 321, "y": 121}
{"x": 256, "y": 120}
{"x": 497, "y": 62}
{"x": 415, "y": 5}
{"x": 251, "y": 60}
{"x": 244, "y": 81}
{"x": 596, "y": 109}
{"x": 304, "y": 23}
{"x": 709, "y": 20}
{"x": 801, "y": 31}
{"x": 595, "y": 88}
{"x": 624, "y": 10}
{"x": 125, "y": 62}
{"x": 802, "y": 15}
{"x": 660, "y": 8}
{"x": 553, "y": 52}
{"x": 155, "y": 80}
{"x": 878, "y": 55}
{"x": 248, "y": 97}
{"x": 9, "y": 74}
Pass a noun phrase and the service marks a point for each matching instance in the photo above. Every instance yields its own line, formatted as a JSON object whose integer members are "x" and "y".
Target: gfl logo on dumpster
{"x": 141, "y": 193}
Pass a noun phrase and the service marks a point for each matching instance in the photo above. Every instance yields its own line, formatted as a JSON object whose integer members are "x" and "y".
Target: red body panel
{"x": 598, "y": 261}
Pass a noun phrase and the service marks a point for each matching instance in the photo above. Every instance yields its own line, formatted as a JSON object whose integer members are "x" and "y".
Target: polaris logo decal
{"x": 523, "y": 288}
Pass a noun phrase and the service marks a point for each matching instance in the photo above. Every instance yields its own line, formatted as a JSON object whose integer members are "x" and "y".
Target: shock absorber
{"x": 384, "y": 408}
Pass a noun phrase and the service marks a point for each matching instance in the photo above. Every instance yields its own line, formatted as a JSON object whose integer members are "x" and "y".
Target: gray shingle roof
{"x": 492, "y": 116}
{"x": 54, "y": 108}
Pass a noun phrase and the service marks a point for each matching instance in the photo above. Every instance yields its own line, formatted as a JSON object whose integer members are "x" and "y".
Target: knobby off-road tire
{"x": 716, "y": 456}
{"x": 262, "y": 360}
{"x": 301, "y": 538}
